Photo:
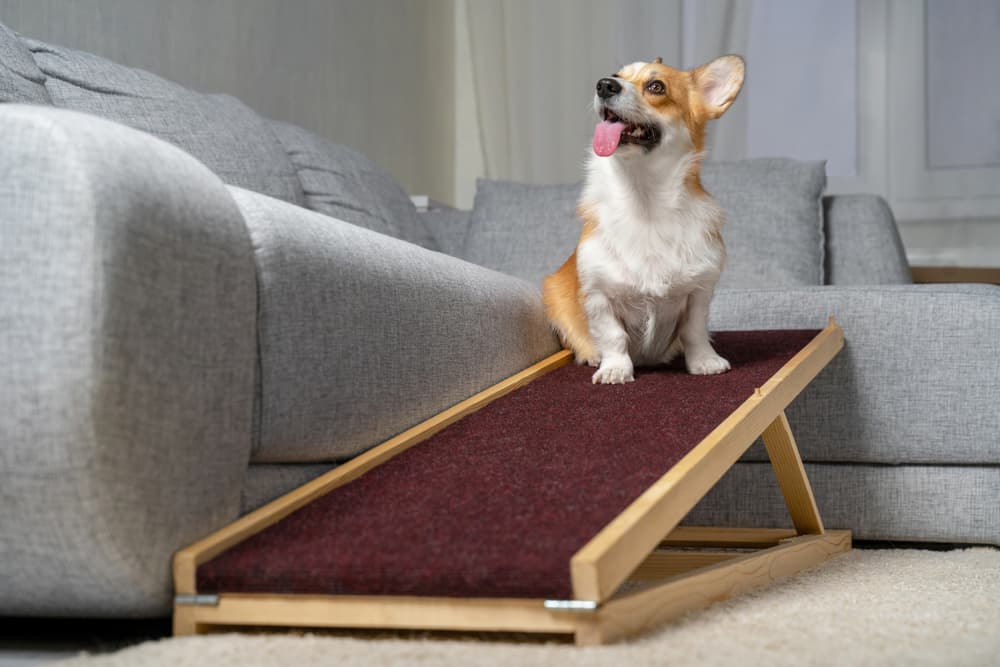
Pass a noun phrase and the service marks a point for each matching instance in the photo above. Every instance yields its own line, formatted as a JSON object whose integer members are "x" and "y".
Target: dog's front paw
{"x": 618, "y": 371}
{"x": 707, "y": 364}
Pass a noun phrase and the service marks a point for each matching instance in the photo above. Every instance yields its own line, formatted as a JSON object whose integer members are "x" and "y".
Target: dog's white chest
{"x": 647, "y": 268}
{"x": 659, "y": 259}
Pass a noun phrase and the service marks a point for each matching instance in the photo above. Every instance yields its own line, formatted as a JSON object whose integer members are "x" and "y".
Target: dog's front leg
{"x": 610, "y": 339}
{"x": 700, "y": 357}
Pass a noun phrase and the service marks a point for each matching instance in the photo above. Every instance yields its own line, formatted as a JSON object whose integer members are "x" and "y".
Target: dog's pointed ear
{"x": 719, "y": 82}
{"x": 658, "y": 61}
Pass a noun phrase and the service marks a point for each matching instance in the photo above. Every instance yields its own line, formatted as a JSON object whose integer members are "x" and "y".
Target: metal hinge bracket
{"x": 199, "y": 600}
{"x": 583, "y": 606}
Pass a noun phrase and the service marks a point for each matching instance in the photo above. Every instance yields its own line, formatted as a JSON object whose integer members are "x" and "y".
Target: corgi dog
{"x": 638, "y": 287}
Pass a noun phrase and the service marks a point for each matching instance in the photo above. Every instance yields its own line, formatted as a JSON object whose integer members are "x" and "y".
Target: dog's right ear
{"x": 719, "y": 82}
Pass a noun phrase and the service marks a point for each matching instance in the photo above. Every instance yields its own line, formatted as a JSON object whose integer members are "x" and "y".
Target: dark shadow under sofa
{"x": 202, "y": 309}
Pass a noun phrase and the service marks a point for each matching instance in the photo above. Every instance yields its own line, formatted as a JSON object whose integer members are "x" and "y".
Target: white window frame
{"x": 916, "y": 191}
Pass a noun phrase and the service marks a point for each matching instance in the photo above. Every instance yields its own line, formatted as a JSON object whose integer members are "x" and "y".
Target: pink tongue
{"x": 606, "y": 137}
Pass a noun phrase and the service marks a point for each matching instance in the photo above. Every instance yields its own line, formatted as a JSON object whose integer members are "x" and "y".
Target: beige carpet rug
{"x": 881, "y": 607}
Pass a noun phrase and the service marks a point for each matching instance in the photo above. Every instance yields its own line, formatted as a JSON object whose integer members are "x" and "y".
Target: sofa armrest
{"x": 363, "y": 335}
{"x": 863, "y": 246}
{"x": 916, "y": 382}
{"x": 127, "y": 357}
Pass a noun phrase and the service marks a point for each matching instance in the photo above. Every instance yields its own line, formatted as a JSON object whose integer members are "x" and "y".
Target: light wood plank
{"x": 956, "y": 274}
{"x": 712, "y": 536}
{"x": 600, "y": 566}
{"x": 187, "y": 560}
{"x": 665, "y": 564}
{"x": 184, "y": 623}
{"x": 396, "y": 612}
{"x": 636, "y": 612}
{"x": 791, "y": 474}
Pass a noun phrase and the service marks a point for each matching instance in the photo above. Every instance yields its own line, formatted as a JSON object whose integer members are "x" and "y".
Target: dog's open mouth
{"x": 613, "y": 131}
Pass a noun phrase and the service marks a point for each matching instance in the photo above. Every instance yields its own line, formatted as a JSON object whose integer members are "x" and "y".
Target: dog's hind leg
{"x": 561, "y": 295}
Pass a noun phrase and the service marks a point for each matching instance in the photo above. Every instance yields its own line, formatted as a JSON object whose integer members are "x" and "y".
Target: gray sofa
{"x": 202, "y": 309}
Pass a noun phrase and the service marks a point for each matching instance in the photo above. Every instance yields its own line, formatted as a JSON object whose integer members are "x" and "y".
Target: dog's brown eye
{"x": 656, "y": 87}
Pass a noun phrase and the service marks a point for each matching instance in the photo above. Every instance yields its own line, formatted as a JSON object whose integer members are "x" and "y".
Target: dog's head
{"x": 644, "y": 106}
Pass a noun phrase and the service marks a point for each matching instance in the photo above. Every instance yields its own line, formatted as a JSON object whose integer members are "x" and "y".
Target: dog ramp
{"x": 544, "y": 504}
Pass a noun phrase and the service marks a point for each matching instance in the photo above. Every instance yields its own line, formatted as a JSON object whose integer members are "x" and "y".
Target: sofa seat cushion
{"x": 362, "y": 335}
{"x": 219, "y": 130}
{"x": 918, "y": 503}
{"x": 773, "y": 233}
{"x": 919, "y": 365}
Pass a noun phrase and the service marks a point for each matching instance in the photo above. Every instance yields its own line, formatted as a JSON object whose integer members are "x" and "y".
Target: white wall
{"x": 372, "y": 74}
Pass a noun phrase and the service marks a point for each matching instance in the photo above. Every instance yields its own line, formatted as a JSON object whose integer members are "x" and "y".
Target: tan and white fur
{"x": 638, "y": 287}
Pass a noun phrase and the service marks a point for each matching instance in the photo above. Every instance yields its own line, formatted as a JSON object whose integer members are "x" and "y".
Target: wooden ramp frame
{"x": 642, "y": 569}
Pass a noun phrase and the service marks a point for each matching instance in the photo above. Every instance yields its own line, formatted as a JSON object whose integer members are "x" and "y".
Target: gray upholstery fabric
{"x": 876, "y": 502}
{"x": 222, "y": 132}
{"x": 915, "y": 383}
{"x": 343, "y": 183}
{"x": 524, "y": 230}
{"x": 127, "y": 338}
{"x": 774, "y": 227}
{"x": 267, "y": 481}
{"x": 20, "y": 79}
{"x": 863, "y": 246}
{"x": 363, "y": 335}
{"x": 773, "y": 233}
{"x": 449, "y": 227}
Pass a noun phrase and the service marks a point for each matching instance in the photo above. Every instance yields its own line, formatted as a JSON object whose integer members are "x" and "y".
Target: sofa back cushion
{"x": 21, "y": 81}
{"x": 522, "y": 230}
{"x": 219, "y": 130}
{"x": 245, "y": 150}
{"x": 343, "y": 183}
{"x": 773, "y": 233}
{"x": 774, "y": 220}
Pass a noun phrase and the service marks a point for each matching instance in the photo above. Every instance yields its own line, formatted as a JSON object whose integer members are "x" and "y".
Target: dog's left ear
{"x": 719, "y": 83}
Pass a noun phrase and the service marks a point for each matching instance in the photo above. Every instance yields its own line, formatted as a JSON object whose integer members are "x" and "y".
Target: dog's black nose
{"x": 607, "y": 87}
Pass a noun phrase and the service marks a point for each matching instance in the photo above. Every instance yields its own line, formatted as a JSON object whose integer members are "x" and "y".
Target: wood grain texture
{"x": 186, "y": 561}
{"x": 664, "y": 564}
{"x": 623, "y": 616}
{"x": 184, "y": 623}
{"x": 599, "y": 568}
{"x": 399, "y": 612}
{"x": 791, "y": 474}
{"x": 956, "y": 274}
{"x": 712, "y": 536}
{"x": 636, "y": 612}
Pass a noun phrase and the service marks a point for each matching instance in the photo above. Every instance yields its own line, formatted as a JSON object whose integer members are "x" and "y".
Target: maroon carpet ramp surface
{"x": 496, "y": 504}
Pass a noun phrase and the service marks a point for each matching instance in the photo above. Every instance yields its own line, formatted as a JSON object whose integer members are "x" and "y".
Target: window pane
{"x": 963, "y": 99}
